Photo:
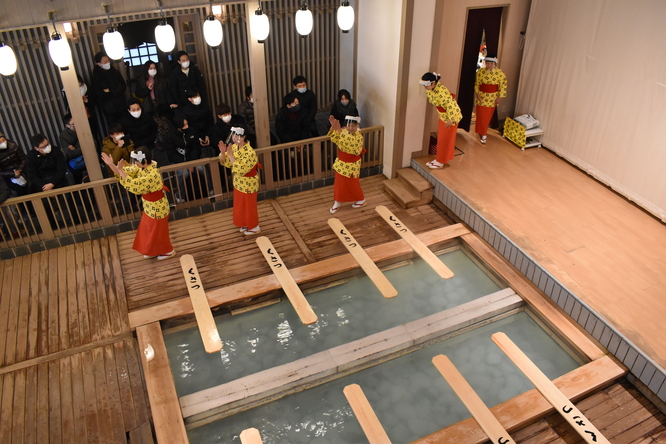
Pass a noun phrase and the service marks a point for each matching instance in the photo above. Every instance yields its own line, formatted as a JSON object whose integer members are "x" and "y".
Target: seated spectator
{"x": 181, "y": 144}
{"x": 308, "y": 100}
{"x": 139, "y": 126}
{"x": 182, "y": 79}
{"x": 71, "y": 149}
{"x": 291, "y": 123}
{"x": 221, "y": 131}
{"x": 117, "y": 145}
{"x": 343, "y": 106}
{"x": 246, "y": 111}
{"x": 12, "y": 166}
{"x": 46, "y": 167}
{"x": 199, "y": 119}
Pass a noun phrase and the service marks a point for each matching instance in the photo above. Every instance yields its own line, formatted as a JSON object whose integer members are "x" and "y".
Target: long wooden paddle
{"x": 419, "y": 247}
{"x": 370, "y": 268}
{"x": 202, "y": 312}
{"x": 365, "y": 415}
{"x": 553, "y": 395}
{"x": 250, "y": 436}
{"x": 474, "y": 404}
{"x": 287, "y": 282}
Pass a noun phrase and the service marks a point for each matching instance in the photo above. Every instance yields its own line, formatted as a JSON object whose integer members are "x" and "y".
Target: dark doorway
{"x": 481, "y": 23}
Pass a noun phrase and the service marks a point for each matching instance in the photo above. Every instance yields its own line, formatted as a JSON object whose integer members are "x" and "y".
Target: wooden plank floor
{"x": 606, "y": 250}
{"x": 620, "y": 413}
{"x": 224, "y": 255}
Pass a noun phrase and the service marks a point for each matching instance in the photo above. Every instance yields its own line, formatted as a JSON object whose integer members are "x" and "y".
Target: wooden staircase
{"x": 409, "y": 189}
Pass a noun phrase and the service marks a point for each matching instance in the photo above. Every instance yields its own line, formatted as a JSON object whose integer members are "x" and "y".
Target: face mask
{"x": 226, "y": 119}
{"x": 106, "y": 66}
{"x": 301, "y": 90}
{"x": 46, "y": 149}
{"x": 84, "y": 89}
{"x": 3, "y": 145}
{"x": 152, "y": 72}
{"x": 196, "y": 101}
{"x": 295, "y": 108}
{"x": 344, "y": 102}
{"x": 136, "y": 114}
{"x": 119, "y": 136}
{"x": 251, "y": 99}
{"x": 185, "y": 65}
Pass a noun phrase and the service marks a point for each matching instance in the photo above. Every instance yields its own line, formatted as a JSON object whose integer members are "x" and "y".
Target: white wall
{"x": 377, "y": 66}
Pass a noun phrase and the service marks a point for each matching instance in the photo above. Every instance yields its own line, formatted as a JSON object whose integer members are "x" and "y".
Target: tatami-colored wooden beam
{"x": 365, "y": 415}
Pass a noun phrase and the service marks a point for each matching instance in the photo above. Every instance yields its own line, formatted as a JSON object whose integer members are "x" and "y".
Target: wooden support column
{"x": 259, "y": 83}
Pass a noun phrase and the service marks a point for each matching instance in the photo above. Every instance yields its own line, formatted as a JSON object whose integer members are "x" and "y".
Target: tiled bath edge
{"x": 640, "y": 365}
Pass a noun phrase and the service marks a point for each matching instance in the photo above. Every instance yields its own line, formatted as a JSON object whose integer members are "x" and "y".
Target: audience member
{"x": 291, "y": 121}
{"x": 151, "y": 87}
{"x": 89, "y": 103}
{"x": 71, "y": 149}
{"x": 199, "y": 119}
{"x": 46, "y": 168}
{"x": 108, "y": 87}
{"x": 117, "y": 145}
{"x": 139, "y": 125}
{"x": 12, "y": 166}
{"x": 182, "y": 79}
{"x": 181, "y": 144}
{"x": 246, "y": 111}
{"x": 221, "y": 131}
{"x": 343, "y": 106}
{"x": 308, "y": 100}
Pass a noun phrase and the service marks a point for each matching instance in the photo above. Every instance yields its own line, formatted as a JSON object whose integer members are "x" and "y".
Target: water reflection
{"x": 285, "y": 333}
{"x": 186, "y": 365}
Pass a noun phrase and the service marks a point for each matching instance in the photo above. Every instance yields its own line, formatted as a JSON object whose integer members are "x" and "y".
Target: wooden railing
{"x": 104, "y": 203}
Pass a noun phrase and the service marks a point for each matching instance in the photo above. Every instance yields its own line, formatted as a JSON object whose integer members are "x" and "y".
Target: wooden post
{"x": 259, "y": 82}
{"x": 365, "y": 415}
{"x": 202, "y": 312}
{"x": 553, "y": 395}
{"x": 287, "y": 281}
{"x": 370, "y": 268}
{"x": 474, "y": 404}
{"x": 250, "y": 436}
{"x": 419, "y": 247}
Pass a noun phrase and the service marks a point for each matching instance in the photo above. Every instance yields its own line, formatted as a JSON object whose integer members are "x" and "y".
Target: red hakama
{"x": 347, "y": 189}
{"x": 484, "y": 113}
{"x": 152, "y": 236}
{"x": 446, "y": 142}
{"x": 245, "y": 205}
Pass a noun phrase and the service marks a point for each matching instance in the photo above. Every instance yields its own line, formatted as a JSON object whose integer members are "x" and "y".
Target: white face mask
{"x": 152, "y": 72}
{"x": 84, "y": 89}
{"x": 120, "y": 136}
{"x": 301, "y": 90}
{"x": 185, "y": 65}
{"x": 227, "y": 118}
{"x": 196, "y": 100}
{"x": 136, "y": 114}
{"x": 105, "y": 66}
{"x": 46, "y": 149}
{"x": 3, "y": 145}
{"x": 251, "y": 99}
{"x": 344, "y": 102}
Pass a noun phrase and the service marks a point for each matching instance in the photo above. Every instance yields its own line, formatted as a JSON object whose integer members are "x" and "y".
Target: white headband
{"x": 139, "y": 156}
{"x": 429, "y": 82}
{"x": 354, "y": 118}
{"x": 491, "y": 59}
{"x": 237, "y": 130}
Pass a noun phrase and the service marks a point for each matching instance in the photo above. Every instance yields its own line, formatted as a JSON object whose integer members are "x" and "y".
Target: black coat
{"x": 292, "y": 126}
{"x": 308, "y": 100}
{"x": 339, "y": 111}
{"x": 158, "y": 106}
{"x": 112, "y": 102}
{"x": 50, "y": 168}
{"x": 220, "y": 131}
{"x": 199, "y": 118}
{"x": 11, "y": 158}
{"x": 141, "y": 131}
{"x": 180, "y": 85}
{"x": 182, "y": 146}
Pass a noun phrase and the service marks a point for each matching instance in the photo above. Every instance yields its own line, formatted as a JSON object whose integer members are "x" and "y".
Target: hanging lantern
{"x": 260, "y": 25}
{"x": 8, "y": 63}
{"x": 60, "y": 52}
{"x": 345, "y": 17}
{"x": 114, "y": 45}
{"x": 164, "y": 36}
{"x": 304, "y": 20}
{"x": 212, "y": 29}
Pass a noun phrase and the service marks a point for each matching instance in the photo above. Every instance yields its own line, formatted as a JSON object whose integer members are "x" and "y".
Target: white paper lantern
{"x": 212, "y": 29}
{"x": 260, "y": 25}
{"x": 60, "y": 52}
{"x": 165, "y": 37}
{"x": 8, "y": 63}
{"x": 114, "y": 45}
{"x": 304, "y": 21}
{"x": 345, "y": 17}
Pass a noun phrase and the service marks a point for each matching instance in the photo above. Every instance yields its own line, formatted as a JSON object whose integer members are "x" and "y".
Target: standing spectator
{"x": 246, "y": 111}
{"x": 221, "y": 131}
{"x": 449, "y": 116}
{"x": 200, "y": 120}
{"x": 12, "y": 166}
{"x": 152, "y": 236}
{"x": 308, "y": 100}
{"x": 243, "y": 161}
{"x": 89, "y": 103}
{"x": 182, "y": 79}
{"x": 46, "y": 168}
{"x": 489, "y": 88}
{"x": 151, "y": 87}
{"x": 117, "y": 145}
{"x": 347, "y": 167}
{"x": 139, "y": 125}
{"x": 291, "y": 123}
{"x": 71, "y": 149}
{"x": 343, "y": 106}
{"x": 108, "y": 87}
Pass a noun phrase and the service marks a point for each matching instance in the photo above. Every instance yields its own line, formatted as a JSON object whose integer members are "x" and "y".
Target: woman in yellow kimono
{"x": 243, "y": 161}
{"x": 347, "y": 167}
{"x": 449, "y": 116}
{"x": 143, "y": 178}
{"x": 489, "y": 88}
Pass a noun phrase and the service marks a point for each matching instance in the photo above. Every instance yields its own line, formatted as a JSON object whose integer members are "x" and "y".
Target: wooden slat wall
{"x": 61, "y": 298}
{"x": 97, "y": 396}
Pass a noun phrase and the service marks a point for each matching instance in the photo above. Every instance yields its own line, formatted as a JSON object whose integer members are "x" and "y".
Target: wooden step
{"x": 414, "y": 179}
{"x": 406, "y": 197}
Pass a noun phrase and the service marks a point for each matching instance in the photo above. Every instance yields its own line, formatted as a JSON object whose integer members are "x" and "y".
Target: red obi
{"x": 486, "y": 88}
{"x": 253, "y": 171}
{"x": 155, "y": 195}
{"x": 349, "y": 158}
{"x": 441, "y": 109}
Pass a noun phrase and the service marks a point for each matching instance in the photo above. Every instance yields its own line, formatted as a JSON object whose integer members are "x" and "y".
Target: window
{"x": 141, "y": 54}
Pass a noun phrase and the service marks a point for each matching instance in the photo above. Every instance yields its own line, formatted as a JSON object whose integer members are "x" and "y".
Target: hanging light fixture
{"x": 304, "y": 20}
{"x": 114, "y": 45}
{"x": 59, "y": 49}
{"x": 212, "y": 29}
{"x": 345, "y": 17}
{"x": 164, "y": 35}
{"x": 8, "y": 63}
{"x": 260, "y": 25}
